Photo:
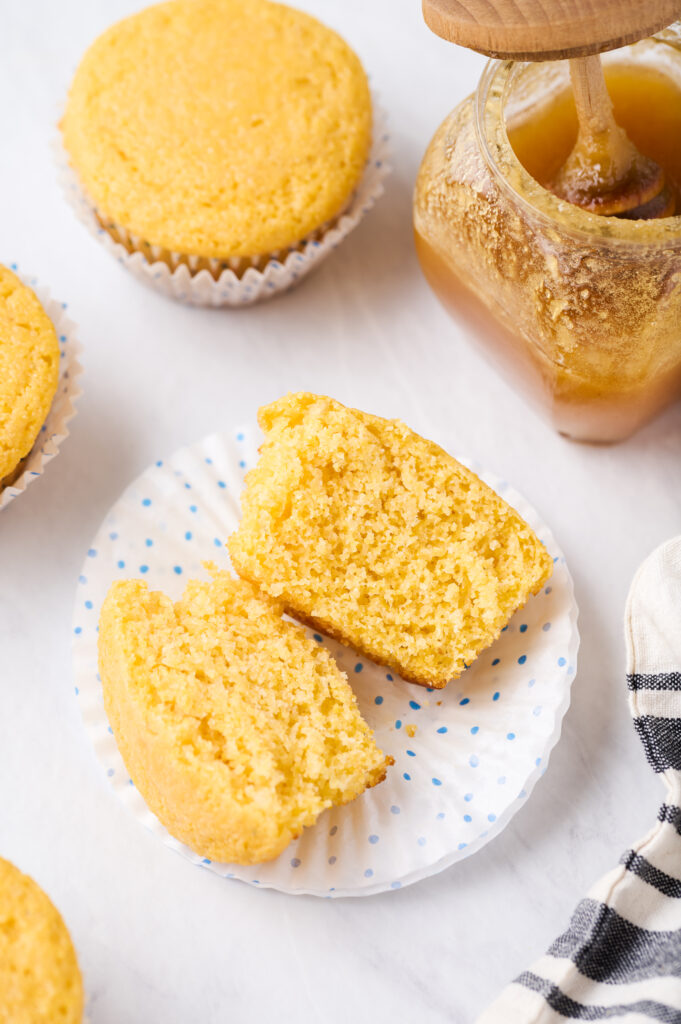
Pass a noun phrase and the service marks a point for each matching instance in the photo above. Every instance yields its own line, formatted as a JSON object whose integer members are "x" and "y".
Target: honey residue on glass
{"x": 647, "y": 106}
{"x": 582, "y": 312}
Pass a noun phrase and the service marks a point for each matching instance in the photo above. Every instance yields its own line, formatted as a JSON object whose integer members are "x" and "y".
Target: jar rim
{"x": 538, "y": 202}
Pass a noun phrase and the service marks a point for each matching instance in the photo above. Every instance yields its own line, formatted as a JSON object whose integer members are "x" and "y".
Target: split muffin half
{"x": 237, "y": 729}
{"x": 378, "y": 537}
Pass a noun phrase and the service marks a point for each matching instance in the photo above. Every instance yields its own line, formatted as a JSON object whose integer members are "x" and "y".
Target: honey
{"x": 583, "y": 408}
{"x": 581, "y": 312}
{"x": 646, "y": 104}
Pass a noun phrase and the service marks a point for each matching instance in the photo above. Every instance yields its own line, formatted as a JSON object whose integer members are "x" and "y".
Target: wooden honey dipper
{"x": 604, "y": 173}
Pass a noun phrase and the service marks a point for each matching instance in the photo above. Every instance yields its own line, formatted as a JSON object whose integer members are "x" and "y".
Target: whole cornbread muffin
{"x": 40, "y": 981}
{"x": 381, "y": 539}
{"x": 227, "y": 130}
{"x": 237, "y": 729}
{"x": 29, "y": 370}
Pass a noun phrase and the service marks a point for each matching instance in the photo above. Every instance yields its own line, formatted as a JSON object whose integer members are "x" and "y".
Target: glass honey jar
{"x": 581, "y": 312}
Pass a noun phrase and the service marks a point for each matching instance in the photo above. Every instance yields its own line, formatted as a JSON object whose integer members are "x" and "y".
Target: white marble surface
{"x": 158, "y": 939}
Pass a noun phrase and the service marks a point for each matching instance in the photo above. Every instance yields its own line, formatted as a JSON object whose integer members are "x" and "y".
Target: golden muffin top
{"x": 40, "y": 982}
{"x": 29, "y": 369}
{"x": 219, "y": 127}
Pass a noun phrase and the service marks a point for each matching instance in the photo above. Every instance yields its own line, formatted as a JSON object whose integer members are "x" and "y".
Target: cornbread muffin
{"x": 40, "y": 982}
{"x": 381, "y": 539}
{"x": 218, "y": 129}
{"x": 237, "y": 729}
{"x": 29, "y": 370}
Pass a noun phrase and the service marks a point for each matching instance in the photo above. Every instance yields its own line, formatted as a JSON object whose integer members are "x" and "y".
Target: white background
{"x": 160, "y": 940}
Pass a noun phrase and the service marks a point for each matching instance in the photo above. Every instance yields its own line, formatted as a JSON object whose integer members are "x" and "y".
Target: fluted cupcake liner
{"x": 466, "y": 757}
{"x": 54, "y": 430}
{"x": 240, "y": 281}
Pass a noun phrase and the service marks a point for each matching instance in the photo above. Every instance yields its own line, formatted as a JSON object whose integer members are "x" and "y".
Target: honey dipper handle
{"x": 594, "y": 106}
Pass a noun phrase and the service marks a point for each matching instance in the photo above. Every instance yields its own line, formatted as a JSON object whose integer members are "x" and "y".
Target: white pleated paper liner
{"x": 278, "y": 275}
{"x": 466, "y": 757}
{"x": 54, "y": 430}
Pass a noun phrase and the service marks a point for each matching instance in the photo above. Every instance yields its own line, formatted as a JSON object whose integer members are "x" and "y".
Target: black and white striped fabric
{"x": 620, "y": 958}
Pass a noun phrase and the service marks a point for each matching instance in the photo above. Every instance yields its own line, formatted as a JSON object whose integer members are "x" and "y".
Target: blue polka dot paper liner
{"x": 466, "y": 757}
{"x": 54, "y": 430}
{"x": 171, "y": 274}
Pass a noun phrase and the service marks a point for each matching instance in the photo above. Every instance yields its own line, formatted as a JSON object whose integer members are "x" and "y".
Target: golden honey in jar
{"x": 582, "y": 312}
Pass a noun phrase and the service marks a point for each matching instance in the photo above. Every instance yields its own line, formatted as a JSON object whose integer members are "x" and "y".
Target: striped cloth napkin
{"x": 620, "y": 958}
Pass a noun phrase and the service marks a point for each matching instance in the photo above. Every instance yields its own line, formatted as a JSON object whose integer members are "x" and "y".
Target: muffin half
{"x": 237, "y": 729}
{"x": 381, "y": 539}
